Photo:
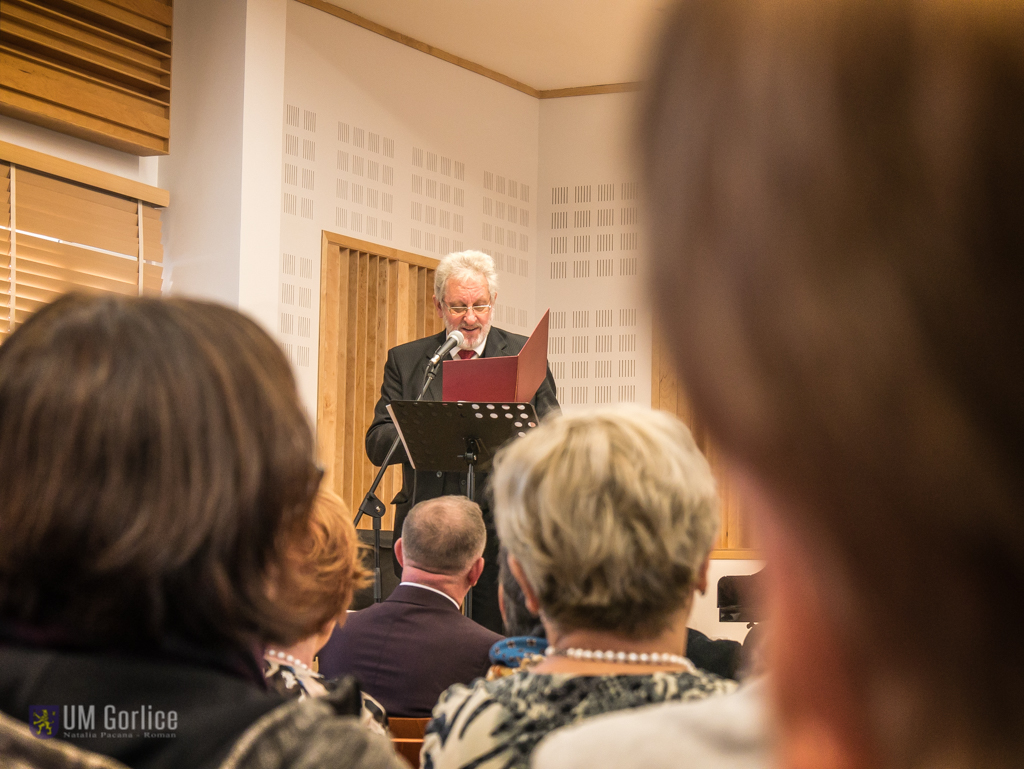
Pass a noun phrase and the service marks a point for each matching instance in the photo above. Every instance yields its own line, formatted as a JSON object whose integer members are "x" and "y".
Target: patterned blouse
{"x": 301, "y": 683}
{"x": 497, "y": 724}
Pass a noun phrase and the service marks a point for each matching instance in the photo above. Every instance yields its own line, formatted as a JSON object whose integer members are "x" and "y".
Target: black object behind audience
{"x": 737, "y": 597}
{"x": 721, "y": 657}
{"x": 389, "y": 580}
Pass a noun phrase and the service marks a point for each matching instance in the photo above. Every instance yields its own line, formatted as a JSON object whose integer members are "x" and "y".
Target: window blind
{"x": 69, "y": 236}
{"x": 5, "y": 247}
{"x": 96, "y": 69}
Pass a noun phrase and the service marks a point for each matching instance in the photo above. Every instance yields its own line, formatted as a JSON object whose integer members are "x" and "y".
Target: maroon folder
{"x": 509, "y": 379}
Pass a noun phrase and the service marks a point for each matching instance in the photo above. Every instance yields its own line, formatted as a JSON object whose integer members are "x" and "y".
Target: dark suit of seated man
{"x": 410, "y": 648}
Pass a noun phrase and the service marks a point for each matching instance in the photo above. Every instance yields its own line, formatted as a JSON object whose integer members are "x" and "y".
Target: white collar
{"x": 433, "y": 590}
{"x": 479, "y": 349}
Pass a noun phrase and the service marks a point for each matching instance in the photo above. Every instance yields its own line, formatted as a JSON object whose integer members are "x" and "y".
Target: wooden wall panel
{"x": 350, "y": 332}
{"x": 96, "y": 69}
{"x": 361, "y": 418}
{"x": 330, "y": 346}
{"x": 371, "y": 299}
{"x": 667, "y": 394}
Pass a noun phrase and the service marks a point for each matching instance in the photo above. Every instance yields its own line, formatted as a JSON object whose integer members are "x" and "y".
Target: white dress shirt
{"x": 479, "y": 349}
{"x": 433, "y": 590}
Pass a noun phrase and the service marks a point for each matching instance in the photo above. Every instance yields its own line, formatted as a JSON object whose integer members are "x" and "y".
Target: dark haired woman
{"x": 156, "y": 470}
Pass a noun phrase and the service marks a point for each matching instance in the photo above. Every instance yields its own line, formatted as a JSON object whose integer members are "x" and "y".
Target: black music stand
{"x": 459, "y": 437}
{"x": 371, "y": 504}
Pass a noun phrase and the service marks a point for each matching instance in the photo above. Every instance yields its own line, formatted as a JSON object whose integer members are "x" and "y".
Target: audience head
{"x": 611, "y": 515}
{"x": 326, "y": 562}
{"x": 156, "y": 467}
{"x": 515, "y": 615}
{"x": 465, "y": 288}
{"x": 835, "y": 204}
{"x": 444, "y": 536}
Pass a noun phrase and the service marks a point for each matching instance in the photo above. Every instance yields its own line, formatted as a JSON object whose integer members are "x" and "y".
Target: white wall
{"x": 378, "y": 140}
{"x": 591, "y": 266}
{"x": 223, "y": 172}
{"x": 262, "y": 111}
{"x": 203, "y": 169}
{"x": 78, "y": 150}
{"x": 222, "y": 229}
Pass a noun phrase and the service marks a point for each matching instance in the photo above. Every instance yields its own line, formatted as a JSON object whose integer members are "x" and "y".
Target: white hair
{"x": 465, "y": 263}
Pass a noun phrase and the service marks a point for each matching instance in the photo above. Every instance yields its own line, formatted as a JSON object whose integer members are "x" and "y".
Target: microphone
{"x": 454, "y": 340}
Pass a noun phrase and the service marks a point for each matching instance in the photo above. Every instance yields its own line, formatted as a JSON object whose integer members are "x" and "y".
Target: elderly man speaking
{"x": 465, "y": 289}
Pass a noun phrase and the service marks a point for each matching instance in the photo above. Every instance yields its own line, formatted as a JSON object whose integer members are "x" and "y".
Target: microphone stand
{"x": 371, "y": 504}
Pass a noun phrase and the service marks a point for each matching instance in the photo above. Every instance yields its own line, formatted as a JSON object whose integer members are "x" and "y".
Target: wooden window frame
{"x": 64, "y": 258}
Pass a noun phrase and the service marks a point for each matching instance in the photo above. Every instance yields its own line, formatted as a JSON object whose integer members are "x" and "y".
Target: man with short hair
{"x": 465, "y": 289}
{"x": 410, "y": 648}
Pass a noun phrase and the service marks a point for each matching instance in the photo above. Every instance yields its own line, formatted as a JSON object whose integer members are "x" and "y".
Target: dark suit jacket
{"x": 407, "y": 650}
{"x": 403, "y": 379}
{"x": 214, "y": 707}
{"x": 721, "y": 657}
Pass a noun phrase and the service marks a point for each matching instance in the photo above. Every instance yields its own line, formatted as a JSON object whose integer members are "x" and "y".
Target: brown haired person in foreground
{"x": 609, "y": 517}
{"x": 156, "y": 473}
{"x": 837, "y": 219}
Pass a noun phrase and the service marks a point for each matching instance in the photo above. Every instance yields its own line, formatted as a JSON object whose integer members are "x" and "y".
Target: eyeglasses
{"x": 458, "y": 311}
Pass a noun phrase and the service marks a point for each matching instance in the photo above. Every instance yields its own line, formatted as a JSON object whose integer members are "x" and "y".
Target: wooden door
{"x": 371, "y": 299}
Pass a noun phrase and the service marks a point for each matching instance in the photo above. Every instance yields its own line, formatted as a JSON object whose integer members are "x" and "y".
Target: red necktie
{"x": 466, "y": 354}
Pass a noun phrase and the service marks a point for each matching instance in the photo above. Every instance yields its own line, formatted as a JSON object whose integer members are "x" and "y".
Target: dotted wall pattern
{"x": 343, "y": 174}
{"x": 592, "y": 247}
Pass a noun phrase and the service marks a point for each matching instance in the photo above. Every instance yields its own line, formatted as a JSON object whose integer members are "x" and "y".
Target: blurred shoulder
{"x": 319, "y": 731}
{"x": 456, "y": 697}
{"x": 702, "y": 684}
{"x": 21, "y": 748}
{"x": 465, "y": 724}
{"x": 728, "y": 732}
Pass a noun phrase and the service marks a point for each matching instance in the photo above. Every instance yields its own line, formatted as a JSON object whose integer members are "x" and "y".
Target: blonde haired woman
{"x": 609, "y": 517}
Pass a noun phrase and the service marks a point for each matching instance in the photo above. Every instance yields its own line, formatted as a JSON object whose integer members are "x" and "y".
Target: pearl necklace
{"x": 629, "y": 658}
{"x": 289, "y": 659}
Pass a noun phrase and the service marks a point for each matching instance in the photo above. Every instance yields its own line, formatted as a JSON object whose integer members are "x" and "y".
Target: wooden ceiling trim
{"x": 458, "y": 61}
